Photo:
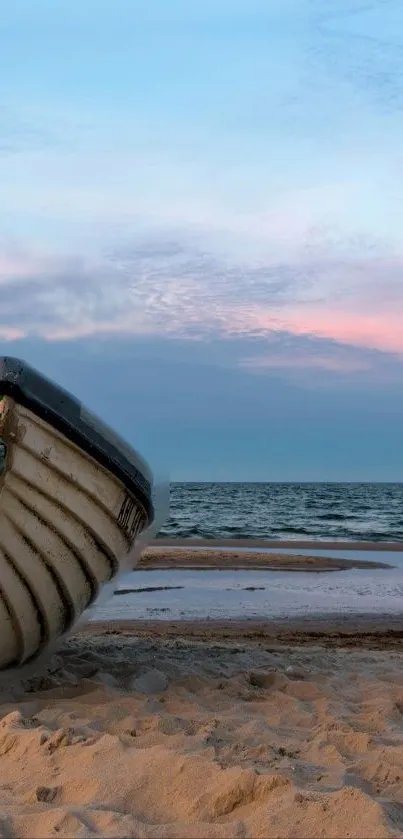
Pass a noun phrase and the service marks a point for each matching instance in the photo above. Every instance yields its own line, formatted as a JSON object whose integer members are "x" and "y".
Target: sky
{"x": 201, "y": 227}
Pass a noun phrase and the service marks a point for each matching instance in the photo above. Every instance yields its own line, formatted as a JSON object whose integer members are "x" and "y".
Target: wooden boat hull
{"x": 66, "y": 523}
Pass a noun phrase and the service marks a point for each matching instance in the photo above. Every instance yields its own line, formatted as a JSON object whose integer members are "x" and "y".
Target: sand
{"x": 143, "y": 734}
{"x": 375, "y": 632}
{"x": 169, "y": 558}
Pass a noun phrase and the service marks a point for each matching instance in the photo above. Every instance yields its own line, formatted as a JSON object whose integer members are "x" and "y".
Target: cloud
{"x": 10, "y": 334}
{"x": 174, "y": 290}
{"x": 382, "y": 331}
{"x": 335, "y": 364}
{"x": 152, "y": 288}
{"x": 313, "y": 363}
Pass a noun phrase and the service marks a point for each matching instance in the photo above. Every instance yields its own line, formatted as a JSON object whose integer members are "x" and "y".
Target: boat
{"x": 74, "y": 497}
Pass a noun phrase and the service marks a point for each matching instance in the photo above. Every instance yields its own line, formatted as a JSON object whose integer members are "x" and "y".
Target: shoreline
{"x": 167, "y": 558}
{"x": 360, "y": 630}
{"x": 309, "y": 544}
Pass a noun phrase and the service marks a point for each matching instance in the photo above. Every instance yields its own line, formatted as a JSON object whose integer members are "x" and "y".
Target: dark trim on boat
{"x": 66, "y": 414}
{"x": 86, "y": 571}
{"x": 99, "y": 544}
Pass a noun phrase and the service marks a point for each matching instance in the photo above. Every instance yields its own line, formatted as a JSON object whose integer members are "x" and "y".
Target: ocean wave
{"x": 356, "y": 512}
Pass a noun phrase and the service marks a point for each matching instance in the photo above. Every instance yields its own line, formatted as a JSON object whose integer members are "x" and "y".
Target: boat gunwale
{"x": 62, "y": 411}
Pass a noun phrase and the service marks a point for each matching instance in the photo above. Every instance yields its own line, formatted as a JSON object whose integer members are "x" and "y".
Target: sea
{"x": 323, "y": 511}
{"x": 354, "y": 512}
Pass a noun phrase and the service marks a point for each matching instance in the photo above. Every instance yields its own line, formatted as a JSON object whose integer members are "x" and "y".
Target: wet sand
{"x": 169, "y": 558}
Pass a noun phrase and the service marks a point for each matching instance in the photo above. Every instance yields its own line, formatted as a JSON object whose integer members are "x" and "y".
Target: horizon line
{"x": 354, "y": 483}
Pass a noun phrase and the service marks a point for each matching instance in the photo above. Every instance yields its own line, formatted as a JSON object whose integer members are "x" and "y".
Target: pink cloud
{"x": 9, "y": 333}
{"x": 383, "y": 331}
{"x": 122, "y": 326}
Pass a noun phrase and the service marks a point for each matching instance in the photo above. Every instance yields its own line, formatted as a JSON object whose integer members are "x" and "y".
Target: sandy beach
{"x": 286, "y": 730}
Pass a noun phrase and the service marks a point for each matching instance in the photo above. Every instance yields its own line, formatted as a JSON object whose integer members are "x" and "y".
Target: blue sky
{"x": 201, "y": 216}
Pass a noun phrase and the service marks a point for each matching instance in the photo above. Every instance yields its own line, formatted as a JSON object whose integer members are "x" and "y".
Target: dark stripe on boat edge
{"x": 13, "y": 618}
{"x": 37, "y": 605}
{"x": 100, "y": 545}
{"x": 79, "y": 557}
{"x": 63, "y": 592}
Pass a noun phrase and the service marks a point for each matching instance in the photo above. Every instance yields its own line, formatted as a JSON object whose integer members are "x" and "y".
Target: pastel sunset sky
{"x": 201, "y": 226}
